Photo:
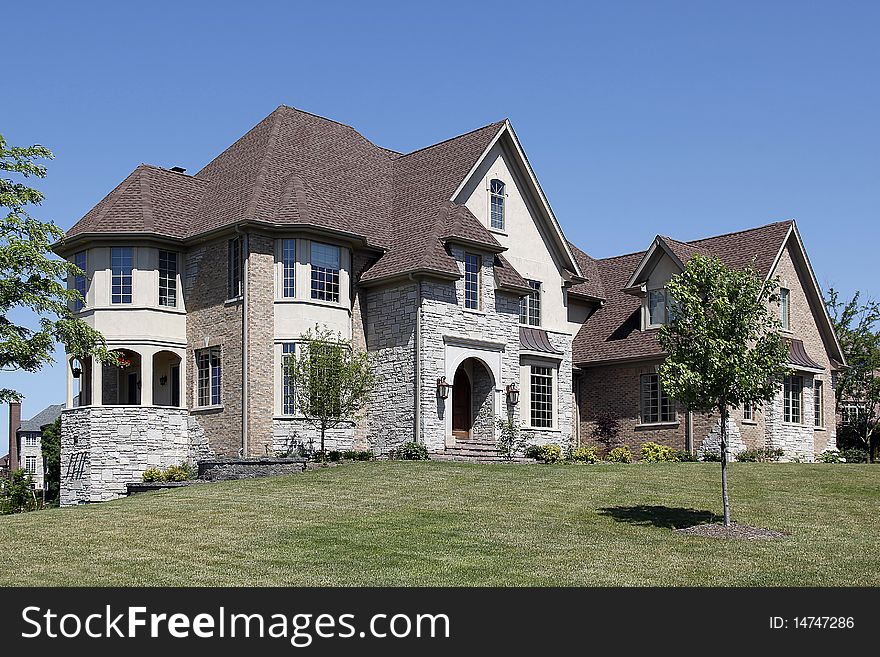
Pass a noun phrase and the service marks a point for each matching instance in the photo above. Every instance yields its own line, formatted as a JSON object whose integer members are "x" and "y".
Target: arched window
{"x": 496, "y": 193}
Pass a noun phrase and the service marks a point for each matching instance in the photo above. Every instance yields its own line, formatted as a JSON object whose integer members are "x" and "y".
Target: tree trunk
{"x": 724, "y": 497}
{"x": 323, "y": 431}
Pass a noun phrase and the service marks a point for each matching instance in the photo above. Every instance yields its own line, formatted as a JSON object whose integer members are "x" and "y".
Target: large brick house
{"x": 446, "y": 263}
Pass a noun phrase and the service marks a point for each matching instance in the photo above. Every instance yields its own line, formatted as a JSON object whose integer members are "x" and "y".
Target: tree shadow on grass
{"x": 659, "y": 516}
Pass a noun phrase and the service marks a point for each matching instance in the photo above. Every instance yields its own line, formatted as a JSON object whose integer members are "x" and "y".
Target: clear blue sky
{"x": 682, "y": 118}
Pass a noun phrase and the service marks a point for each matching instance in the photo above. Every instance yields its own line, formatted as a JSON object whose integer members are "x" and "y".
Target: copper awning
{"x": 798, "y": 357}
{"x": 535, "y": 339}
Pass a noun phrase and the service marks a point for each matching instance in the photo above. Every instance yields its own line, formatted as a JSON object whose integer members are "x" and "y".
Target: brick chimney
{"x": 14, "y": 425}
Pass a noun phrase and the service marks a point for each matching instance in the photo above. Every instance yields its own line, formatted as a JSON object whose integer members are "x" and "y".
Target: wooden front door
{"x": 461, "y": 406}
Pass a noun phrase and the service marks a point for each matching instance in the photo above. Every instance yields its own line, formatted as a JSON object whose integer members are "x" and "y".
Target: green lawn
{"x": 401, "y": 523}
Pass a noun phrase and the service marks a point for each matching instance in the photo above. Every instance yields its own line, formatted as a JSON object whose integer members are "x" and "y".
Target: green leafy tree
{"x": 856, "y": 325}
{"x": 723, "y": 344}
{"x": 31, "y": 278}
{"x": 331, "y": 382}
{"x": 17, "y": 493}
{"x": 50, "y": 443}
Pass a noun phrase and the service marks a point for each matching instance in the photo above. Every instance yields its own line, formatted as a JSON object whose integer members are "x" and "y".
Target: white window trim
{"x": 211, "y": 404}
{"x": 525, "y": 394}
{"x": 646, "y": 307}
{"x": 504, "y": 195}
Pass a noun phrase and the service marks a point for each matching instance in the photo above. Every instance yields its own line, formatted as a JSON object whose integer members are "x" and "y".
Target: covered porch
{"x": 143, "y": 376}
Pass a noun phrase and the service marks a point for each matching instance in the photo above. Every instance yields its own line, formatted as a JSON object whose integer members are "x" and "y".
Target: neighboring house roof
{"x": 614, "y": 332}
{"x": 47, "y": 416}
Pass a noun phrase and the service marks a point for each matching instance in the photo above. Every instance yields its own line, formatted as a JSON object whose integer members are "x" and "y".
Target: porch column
{"x": 69, "y": 400}
{"x": 97, "y": 382}
{"x": 183, "y": 382}
{"x": 146, "y": 378}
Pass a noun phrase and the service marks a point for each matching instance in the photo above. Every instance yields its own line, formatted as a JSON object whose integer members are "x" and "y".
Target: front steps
{"x": 474, "y": 451}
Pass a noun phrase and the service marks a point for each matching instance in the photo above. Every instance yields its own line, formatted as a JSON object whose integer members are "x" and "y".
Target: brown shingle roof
{"x": 592, "y": 287}
{"x": 296, "y": 168}
{"x": 613, "y": 332}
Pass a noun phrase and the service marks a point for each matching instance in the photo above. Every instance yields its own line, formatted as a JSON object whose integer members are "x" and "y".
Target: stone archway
{"x": 473, "y": 402}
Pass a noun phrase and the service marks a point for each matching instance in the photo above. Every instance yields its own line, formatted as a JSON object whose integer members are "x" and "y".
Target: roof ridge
{"x": 264, "y": 166}
{"x": 440, "y": 143}
{"x": 118, "y": 191}
{"x": 739, "y": 232}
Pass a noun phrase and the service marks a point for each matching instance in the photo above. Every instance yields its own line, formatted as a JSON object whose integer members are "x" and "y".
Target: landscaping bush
{"x": 711, "y": 457}
{"x": 830, "y": 456}
{"x": 854, "y": 455}
{"x": 357, "y": 455}
{"x": 411, "y": 451}
{"x": 511, "y": 441}
{"x": 584, "y": 455}
{"x": 620, "y": 455}
{"x": 334, "y": 455}
{"x": 176, "y": 473}
{"x": 764, "y": 455}
{"x": 685, "y": 456}
{"x": 545, "y": 453}
{"x": 656, "y": 453}
{"x": 152, "y": 474}
{"x": 606, "y": 429}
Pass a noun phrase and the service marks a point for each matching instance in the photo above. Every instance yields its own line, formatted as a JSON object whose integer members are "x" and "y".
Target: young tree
{"x": 50, "y": 445}
{"x": 722, "y": 342}
{"x": 331, "y": 382}
{"x": 32, "y": 279}
{"x": 17, "y": 493}
{"x": 856, "y": 325}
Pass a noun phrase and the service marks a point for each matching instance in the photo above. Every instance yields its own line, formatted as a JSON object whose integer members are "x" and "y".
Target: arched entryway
{"x": 121, "y": 382}
{"x": 473, "y": 402}
{"x": 166, "y": 379}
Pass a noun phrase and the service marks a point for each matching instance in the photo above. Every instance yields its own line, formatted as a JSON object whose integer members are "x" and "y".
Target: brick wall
{"x": 261, "y": 341}
{"x": 211, "y": 321}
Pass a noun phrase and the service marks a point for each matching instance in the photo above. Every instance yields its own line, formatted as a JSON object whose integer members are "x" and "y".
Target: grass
{"x": 409, "y": 523}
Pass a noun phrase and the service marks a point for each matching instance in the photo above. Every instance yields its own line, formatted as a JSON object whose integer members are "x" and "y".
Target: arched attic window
{"x": 496, "y": 194}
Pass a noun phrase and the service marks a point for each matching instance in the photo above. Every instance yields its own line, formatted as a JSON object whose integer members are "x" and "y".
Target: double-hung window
{"x": 656, "y": 307}
{"x": 657, "y": 406}
{"x": 288, "y": 351}
{"x": 818, "y": 403}
{"x": 30, "y": 464}
{"x": 167, "y": 278}
{"x": 288, "y": 268}
{"x": 792, "y": 398}
{"x": 325, "y": 262}
{"x": 121, "y": 265}
{"x": 80, "y": 284}
{"x": 209, "y": 376}
{"x": 30, "y": 441}
{"x": 785, "y": 308}
{"x": 749, "y": 412}
{"x": 233, "y": 269}
{"x": 496, "y": 196}
{"x": 472, "y": 267}
{"x": 541, "y": 396}
{"x": 530, "y": 306}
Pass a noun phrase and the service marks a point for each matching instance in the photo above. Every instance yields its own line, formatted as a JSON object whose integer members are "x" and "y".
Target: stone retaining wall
{"x": 227, "y": 469}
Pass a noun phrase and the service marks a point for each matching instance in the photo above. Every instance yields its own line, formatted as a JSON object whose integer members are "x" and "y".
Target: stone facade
{"x": 105, "y": 447}
{"x": 290, "y": 433}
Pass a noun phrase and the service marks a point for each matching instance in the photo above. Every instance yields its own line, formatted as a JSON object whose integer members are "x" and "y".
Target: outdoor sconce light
{"x": 163, "y": 380}
{"x": 512, "y": 394}
{"x": 76, "y": 367}
{"x": 443, "y": 388}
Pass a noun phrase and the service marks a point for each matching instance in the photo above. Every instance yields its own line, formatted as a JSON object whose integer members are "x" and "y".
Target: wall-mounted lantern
{"x": 512, "y": 394}
{"x": 443, "y": 388}
{"x": 76, "y": 367}
{"x": 163, "y": 380}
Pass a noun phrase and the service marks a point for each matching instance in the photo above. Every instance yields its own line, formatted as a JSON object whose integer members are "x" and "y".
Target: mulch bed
{"x": 735, "y": 531}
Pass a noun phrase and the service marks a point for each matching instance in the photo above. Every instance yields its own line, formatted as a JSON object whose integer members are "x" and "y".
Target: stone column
{"x": 183, "y": 381}
{"x": 147, "y": 378}
{"x": 97, "y": 382}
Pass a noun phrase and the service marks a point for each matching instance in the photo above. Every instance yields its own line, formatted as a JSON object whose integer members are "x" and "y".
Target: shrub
{"x": 620, "y": 455}
{"x": 153, "y": 474}
{"x": 656, "y": 453}
{"x": 357, "y": 455}
{"x": 511, "y": 442}
{"x": 411, "y": 451}
{"x": 685, "y": 456}
{"x": 764, "y": 455}
{"x": 831, "y": 456}
{"x": 584, "y": 455}
{"x": 854, "y": 455}
{"x": 711, "y": 457}
{"x": 176, "y": 473}
{"x": 549, "y": 453}
{"x": 334, "y": 455}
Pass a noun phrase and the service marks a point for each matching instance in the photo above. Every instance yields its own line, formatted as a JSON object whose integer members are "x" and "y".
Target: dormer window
{"x": 496, "y": 195}
{"x": 657, "y": 304}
